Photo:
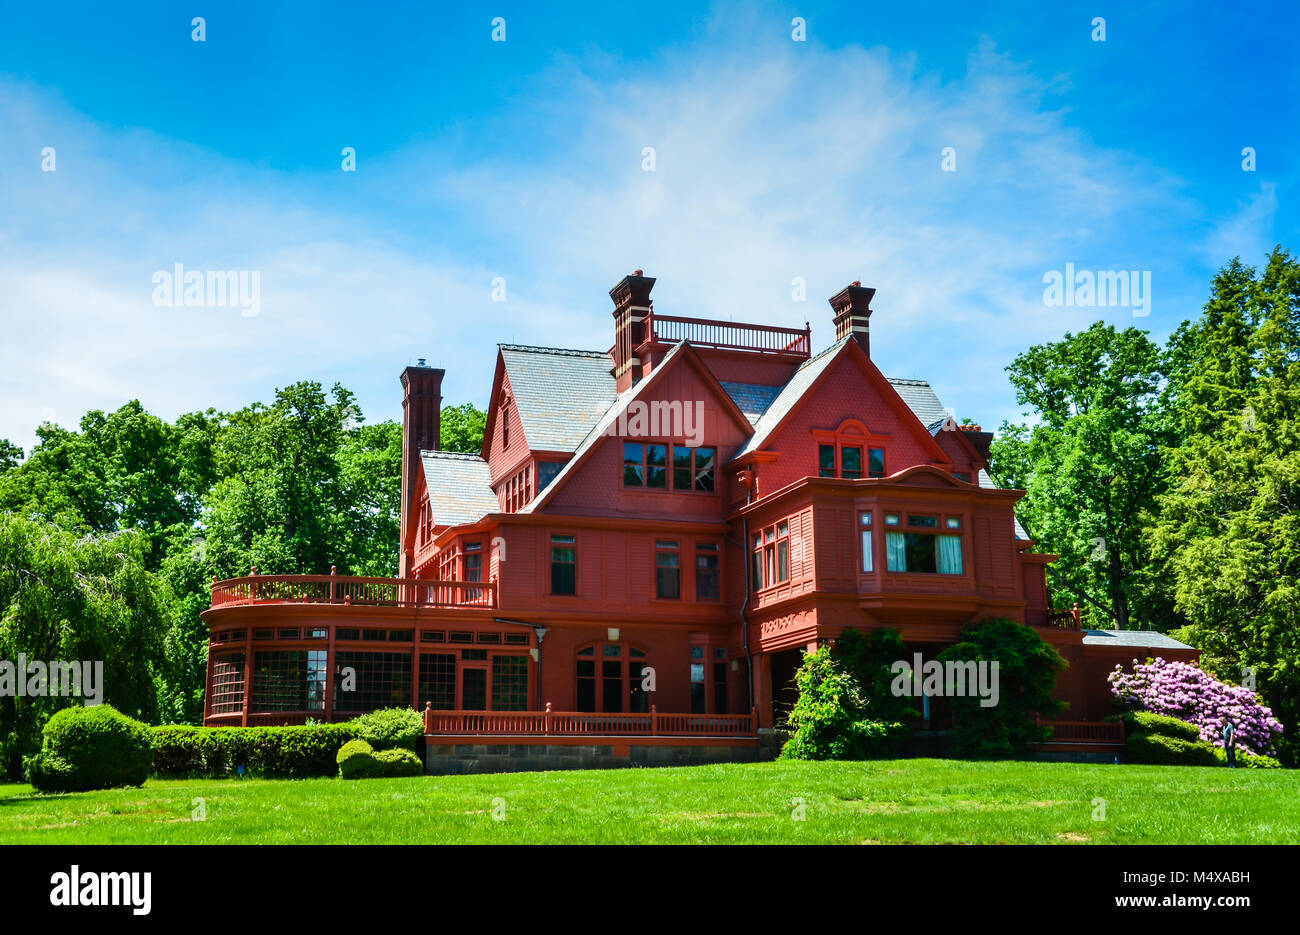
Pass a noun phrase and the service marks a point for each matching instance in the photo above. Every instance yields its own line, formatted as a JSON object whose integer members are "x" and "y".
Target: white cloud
{"x": 772, "y": 162}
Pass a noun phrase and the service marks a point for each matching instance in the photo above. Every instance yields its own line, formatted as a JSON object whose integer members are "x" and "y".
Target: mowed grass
{"x": 886, "y": 802}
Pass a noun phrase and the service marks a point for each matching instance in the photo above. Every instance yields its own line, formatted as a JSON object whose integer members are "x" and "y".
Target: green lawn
{"x": 888, "y": 802}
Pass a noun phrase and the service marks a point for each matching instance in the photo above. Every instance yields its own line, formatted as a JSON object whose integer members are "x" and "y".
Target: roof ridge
{"x": 453, "y": 455}
{"x": 909, "y": 381}
{"x": 538, "y": 349}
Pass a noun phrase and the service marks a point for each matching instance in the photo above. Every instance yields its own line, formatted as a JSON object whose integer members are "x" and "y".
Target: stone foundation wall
{"x": 444, "y": 759}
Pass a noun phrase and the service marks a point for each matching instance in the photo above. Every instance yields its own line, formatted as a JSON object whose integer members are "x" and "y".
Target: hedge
{"x": 94, "y": 747}
{"x": 1146, "y": 722}
{"x": 1162, "y": 750}
{"x": 288, "y": 752}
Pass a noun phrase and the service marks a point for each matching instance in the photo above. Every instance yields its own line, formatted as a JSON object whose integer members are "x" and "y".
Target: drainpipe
{"x": 744, "y": 621}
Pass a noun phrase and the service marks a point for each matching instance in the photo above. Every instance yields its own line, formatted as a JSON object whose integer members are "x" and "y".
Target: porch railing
{"x": 577, "y": 724}
{"x": 346, "y": 590}
{"x": 1070, "y": 618}
{"x": 1111, "y": 732}
{"x": 725, "y": 335}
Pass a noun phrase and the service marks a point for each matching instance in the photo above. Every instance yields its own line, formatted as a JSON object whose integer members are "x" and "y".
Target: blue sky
{"x": 523, "y": 160}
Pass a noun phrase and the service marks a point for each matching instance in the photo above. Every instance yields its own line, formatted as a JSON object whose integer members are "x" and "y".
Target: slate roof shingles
{"x": 560, "y": 394}
{"x": 460, "y": 487}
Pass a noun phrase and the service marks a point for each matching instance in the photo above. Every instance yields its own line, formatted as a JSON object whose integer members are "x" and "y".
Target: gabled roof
{"x": 789, "y": 397}
{"x": 916, "y": 394}
{"x": 559, "y": 393}
{"x": 681, "y": 349}
{"x": 460, "y": 487}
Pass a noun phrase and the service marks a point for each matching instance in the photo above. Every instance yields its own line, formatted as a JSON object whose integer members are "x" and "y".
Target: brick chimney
{"x": 631, "y": 305}
{"x": 852, "y": 306}
{"x": 421, "y": 423}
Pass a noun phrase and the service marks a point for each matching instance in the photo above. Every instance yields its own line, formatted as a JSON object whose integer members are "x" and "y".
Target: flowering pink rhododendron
{"x": 1182, "y": 690}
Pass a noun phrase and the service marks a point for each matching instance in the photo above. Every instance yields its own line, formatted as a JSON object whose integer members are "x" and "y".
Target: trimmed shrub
{"x": 91, "y": 748}
{"x": 1146, "y": 722}
{"x": 1162, "y": 750}
{"x": 399, "y": 762}
{"x": 356, "y": 760}
{"x": 287, "y": 752}
{"x": 390, "y": 728}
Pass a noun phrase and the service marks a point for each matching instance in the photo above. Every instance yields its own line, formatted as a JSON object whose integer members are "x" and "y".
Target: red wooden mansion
{"x": 649, "y": 540}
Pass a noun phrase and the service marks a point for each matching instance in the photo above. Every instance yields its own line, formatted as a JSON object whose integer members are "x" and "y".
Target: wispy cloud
{"x": 772, "y": 161}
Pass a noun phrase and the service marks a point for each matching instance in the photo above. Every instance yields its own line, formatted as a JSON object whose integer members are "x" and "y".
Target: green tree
{"x": 1091, "y": 466}
{"x": 1228, "y": 533}
{"x": 10, "y": 455}
{"x": 1027, "y": 670}
{"x": 74, "y": 597}
{"x": 126, "y": 469}
{"x": 461, "y": 428}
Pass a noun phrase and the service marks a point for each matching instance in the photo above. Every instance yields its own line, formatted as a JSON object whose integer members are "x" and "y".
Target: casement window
{"x": 546, "y": 472}
{"x": 472, "y": 562}
{"x": 917, "y": 546}
{"x": 611, "y": 677}
{"x": 706, "y": 571}
{"x": 472, "y": 568}
{"x": 868, "y": 560}
{"x": 771, "y": 555}
{"x": 708, "y": 679}
{"x": 564, "y": 565}
{"x": 693, "y": 469}
{"x": 846, "y": 461}
{"x": 645, "y": 465}
{"x": 668, "y": 569}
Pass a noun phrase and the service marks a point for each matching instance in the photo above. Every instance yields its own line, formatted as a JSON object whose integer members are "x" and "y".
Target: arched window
{"x": 610, "y": 676}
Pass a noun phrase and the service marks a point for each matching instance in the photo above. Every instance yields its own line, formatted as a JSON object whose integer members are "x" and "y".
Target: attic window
{"x": 845, "y": 460}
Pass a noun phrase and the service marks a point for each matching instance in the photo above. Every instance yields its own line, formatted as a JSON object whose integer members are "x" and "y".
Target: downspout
{"x": 745, "y": 559}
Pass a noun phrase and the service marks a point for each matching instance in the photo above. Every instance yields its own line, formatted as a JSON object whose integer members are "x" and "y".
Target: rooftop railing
{"x": 724, "y": 335}
{"x": 351, "y": 591}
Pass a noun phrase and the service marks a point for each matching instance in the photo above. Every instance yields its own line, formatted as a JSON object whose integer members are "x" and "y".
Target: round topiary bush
{"x": 91, "y": 748}
{"x": 400, "y": 762}
{"x": 356, "y": 760}
{"x": 389, "y": 728}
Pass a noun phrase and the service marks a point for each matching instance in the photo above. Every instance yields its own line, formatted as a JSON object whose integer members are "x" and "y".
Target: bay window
{"x": 917, "y": 546}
